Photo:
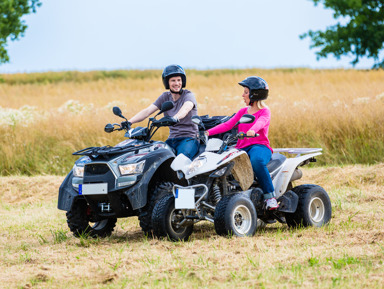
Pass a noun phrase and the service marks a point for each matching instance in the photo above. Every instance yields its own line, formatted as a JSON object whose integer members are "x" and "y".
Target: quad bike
{"x": 221, "y": 189}
{"x": 118, "y": 181}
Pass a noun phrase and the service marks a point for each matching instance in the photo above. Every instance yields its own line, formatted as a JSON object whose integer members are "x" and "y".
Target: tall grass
{"x": 45, "y": 117}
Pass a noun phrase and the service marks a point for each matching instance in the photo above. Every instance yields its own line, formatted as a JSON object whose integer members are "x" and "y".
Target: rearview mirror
{"x": 117, "y": 111}
{"x": 196, "y": 119}
{"x": 247, "y": 118}
{"x": 108, "y": 128}
{"x": 166, "y": 106}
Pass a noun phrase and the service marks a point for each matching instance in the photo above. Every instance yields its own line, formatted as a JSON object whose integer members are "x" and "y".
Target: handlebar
{"x": 242, "y": 135}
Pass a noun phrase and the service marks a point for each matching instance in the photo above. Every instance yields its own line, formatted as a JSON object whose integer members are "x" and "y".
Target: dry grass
{"x": 37, "y": 250}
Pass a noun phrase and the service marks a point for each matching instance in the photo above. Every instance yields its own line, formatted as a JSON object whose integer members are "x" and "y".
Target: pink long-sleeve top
{"x": 260, "y": 126}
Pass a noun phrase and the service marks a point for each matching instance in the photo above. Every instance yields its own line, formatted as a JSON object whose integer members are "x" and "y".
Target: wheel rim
{"x": 100, "y": 225}
{"x": 175, "y": 217}
{"x": 316, "y": 210}
{"x": 242, "y": 219}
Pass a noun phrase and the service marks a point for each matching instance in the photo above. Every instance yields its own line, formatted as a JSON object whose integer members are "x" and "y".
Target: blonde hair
{"x": 260, "y": 104}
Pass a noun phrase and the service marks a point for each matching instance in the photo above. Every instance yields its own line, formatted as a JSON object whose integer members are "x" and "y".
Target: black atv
{"x": 119, "y": 181}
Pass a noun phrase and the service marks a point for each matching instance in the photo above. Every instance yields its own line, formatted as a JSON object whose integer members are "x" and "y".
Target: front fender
{"x": 66, "y": 194}
{"x": 138, "y": 194}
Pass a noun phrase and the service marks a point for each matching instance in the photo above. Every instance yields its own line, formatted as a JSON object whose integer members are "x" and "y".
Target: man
{"x": 183, "y": 134}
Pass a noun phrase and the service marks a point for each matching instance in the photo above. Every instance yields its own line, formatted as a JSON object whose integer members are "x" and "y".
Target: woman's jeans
{"x": 259, "y": 156}
{"x": 184, "y": 145}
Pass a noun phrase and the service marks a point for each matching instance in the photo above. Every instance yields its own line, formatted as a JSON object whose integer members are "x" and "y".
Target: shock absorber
{"x": 216, "y": 194}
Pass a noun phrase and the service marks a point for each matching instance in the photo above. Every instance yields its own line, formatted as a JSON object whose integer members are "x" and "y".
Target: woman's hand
{"x": 251, "y": 133}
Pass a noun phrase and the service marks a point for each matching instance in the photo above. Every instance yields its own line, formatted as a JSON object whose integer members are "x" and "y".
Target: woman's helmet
{"x": 258, "y": 88}
{"x": 172, "y": 71}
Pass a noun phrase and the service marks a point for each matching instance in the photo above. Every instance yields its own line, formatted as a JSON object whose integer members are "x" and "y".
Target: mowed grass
{"x": 38, "y": 251}
{"x": 44, "y": 117}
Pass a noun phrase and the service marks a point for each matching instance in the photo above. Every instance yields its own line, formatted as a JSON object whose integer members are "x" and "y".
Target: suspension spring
{"x": 216, "y": 194}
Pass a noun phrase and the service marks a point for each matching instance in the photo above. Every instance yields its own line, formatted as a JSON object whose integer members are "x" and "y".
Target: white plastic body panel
{"x": 281, "y": 181}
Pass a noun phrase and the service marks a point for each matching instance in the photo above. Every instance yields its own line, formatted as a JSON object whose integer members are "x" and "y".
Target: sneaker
{"x": 271, "y": 204}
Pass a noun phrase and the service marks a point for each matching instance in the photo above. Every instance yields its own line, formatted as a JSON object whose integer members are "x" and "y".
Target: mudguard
{"x": 66, "y": 193}
{"x": 283, "y": 177}
{"x": 288, "y": 202}
{"x": 137, "y": 195}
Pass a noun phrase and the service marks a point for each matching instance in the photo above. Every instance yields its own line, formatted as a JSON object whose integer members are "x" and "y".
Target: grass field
{"x": 37, "y": 250}
{"x": 44, "y": 117}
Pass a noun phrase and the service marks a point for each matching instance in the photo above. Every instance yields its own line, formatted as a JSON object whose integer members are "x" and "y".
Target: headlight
{"x": 130, "y": 169}
{"x": 78, "y": 171}
{"x": 196, "y": 164}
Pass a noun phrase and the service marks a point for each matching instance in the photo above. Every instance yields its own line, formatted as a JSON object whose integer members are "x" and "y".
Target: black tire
{"x": 162, "y": 216}
{"x": 235, "y": 215}
{"x": 79, "y": 224}
{"x": 145, "y": 217}
{"x": 314, "y": 207}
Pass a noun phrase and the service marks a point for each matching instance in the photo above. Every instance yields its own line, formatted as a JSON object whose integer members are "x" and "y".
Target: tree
{"x": 11, "y": 25}
{"x": 362, "y": 35}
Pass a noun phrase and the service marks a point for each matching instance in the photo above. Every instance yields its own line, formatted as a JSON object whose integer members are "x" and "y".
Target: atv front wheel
{"x": 79, "y": 224}
{"x": 314, "y": 207}
{"x": 161, "y": 189}
{"x": 165, "y": 219}
{"x": 235, "y": 215}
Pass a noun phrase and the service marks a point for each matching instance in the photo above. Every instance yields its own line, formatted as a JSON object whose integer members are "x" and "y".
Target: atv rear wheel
{"x": 235, "y": 215}
{"x": 161, "y": 189}
{"x": 79, "y": 224}
{"x": 314, "y": 208}
{"x": 165, "y": 218}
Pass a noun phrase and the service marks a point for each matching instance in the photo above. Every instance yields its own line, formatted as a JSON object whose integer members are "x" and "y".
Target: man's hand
{"x": 126, "y": 125}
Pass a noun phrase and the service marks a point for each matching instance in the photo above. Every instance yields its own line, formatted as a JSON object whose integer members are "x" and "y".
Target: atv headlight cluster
{"x": 196, "y": 164}
{"x": 130, "y": 169}
{"x": 78, "y": 171}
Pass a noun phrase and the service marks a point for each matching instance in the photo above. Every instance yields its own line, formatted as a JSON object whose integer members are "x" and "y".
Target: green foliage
{"x": 362, "y": 35}
{"x": 11, "y": 25}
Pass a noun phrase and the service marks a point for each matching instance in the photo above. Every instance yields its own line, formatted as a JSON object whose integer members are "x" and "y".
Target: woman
{"x": 258, "y": 148}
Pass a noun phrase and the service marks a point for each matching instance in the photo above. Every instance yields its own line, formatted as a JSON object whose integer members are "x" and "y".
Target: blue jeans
{"x": 259, "y": 156}
{"x": 184, "y": 145}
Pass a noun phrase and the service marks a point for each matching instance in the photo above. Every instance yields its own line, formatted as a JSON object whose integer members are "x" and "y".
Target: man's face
{"x": 175, "y": 83}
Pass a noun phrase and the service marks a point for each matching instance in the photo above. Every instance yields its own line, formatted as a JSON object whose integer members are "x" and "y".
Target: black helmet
{"x": 258, "y": 88}
{"x": 172, "y": 71}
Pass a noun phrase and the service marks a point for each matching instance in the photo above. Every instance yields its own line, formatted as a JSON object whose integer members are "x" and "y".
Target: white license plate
{"x": 185, "y": 199}
{"x": 93, "y": 189}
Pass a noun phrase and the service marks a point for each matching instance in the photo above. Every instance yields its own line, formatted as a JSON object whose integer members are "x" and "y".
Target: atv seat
{"x": 275, "y": 162}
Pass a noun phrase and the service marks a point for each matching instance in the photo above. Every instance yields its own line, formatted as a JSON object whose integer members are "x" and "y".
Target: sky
{"x": 89, "y": 35}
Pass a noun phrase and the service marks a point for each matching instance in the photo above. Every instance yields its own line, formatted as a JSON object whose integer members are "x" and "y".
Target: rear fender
{"x": 283, "y": 177}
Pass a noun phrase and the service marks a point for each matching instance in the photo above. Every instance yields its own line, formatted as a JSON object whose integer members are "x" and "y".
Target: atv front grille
{"x": 96, "y": 169}
{"x": 99, "y": 173}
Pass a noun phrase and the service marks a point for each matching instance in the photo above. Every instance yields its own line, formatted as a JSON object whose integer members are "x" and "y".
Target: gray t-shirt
{"x": 185, "y": 127}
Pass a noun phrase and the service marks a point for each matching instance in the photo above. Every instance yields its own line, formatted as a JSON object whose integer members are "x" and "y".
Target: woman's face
{"x": 246, "y": 95}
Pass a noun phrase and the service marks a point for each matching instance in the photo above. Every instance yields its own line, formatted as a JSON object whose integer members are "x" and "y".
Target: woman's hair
{"x": 260, "y": 104}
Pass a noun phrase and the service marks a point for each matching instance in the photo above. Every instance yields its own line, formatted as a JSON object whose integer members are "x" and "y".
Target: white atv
{"x": 222, "y": 189}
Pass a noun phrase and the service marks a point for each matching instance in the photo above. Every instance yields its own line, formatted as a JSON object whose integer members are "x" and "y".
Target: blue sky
{"x": 150, "y": 34}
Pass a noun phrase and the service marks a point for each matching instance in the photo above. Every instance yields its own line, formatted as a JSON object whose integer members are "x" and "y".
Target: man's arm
{"x": 184, "y": 110}
{"x": 140, "y": 116}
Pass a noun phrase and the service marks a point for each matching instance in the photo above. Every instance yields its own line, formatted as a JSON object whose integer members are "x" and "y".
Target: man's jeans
{"x": 184, "y": 145}
{"x": 260, "y": 155}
